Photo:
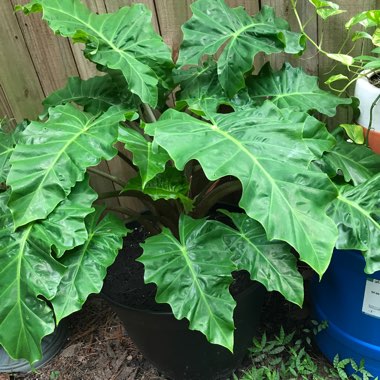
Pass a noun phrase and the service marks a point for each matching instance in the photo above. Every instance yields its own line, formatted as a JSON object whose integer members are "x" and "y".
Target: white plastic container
{"x": 367, "y": 94}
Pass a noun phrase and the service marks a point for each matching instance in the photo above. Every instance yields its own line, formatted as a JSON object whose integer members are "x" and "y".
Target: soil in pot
{"x": 168, "y": 343}
{"x": 375, "y": 80}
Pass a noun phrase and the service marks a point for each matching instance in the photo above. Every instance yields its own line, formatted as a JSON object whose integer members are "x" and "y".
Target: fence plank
{"x": 18, "y": 77}
{"x": 5, "y": 108}
{"x": 173, "y": 13}
{"x": 117, "y": 166}
{"x": 33, "y": 61}
{"x": 305, "y": 10}
{"x": 86, "y": 68}
{"x": 52, "y": 56}
{"x": 251, "y": 6}
{"x": 116, "y": 4}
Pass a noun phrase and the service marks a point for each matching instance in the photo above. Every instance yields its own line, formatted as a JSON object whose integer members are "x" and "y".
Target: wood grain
{"x": 18, "y": 77}
{"x": 34, "y": 62}
{"x": 51, "y": 55}
{"x": 331, "y": 34}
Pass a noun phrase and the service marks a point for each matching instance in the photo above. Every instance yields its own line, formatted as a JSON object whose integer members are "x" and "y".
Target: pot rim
{"x": 250, "y": 289}
{"x": 368, "y": 74}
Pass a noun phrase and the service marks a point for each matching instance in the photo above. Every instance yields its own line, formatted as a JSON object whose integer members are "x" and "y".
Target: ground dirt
{"x": 99, "y": 349}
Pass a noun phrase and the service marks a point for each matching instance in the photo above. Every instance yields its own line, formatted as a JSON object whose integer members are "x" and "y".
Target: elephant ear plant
{"x": 301, "y": 191}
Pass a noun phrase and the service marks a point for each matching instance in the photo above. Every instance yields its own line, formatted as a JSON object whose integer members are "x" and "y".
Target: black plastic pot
{"x": 182, "y": 354}
{"x": 51, "y": 346}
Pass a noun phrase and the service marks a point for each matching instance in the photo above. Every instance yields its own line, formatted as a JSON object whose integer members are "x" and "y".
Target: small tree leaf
{"x": 345, "y": 59}
{"x": 326, "y": 9}
{"x": 355, "y": 132}
{"x": 359, "y": 35}
{"x": 376, "y": 37}
{"x": 87, "y": 264}
{"x": 188, "y": 279}
{"x": 326, "y": 13}
{"x": 335, "y": 78}
{"x": 367, "y": 19}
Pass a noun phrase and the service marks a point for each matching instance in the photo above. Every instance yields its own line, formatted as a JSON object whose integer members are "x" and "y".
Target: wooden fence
{"x": 34, "y": 62}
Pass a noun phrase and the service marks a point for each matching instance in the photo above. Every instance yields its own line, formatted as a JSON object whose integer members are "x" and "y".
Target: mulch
{"x": 100, "y": 349}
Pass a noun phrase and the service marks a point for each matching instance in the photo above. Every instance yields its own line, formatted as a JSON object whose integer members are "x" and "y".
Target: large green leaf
{"x": 8, "y": 140}
{"x": 215, "y": 26}
{"x": 27, "y": 273}
{"x": 193, "y": 276}
{"x": 199, "y": 87}
{"x": 171, "y": 184}
{"x": 96, "y": 95}
{"x": 292, "y": 87}
{"x": 51, "y": 157}
{"x": 202, "y": 92}
{"x": 65, "y": 227}
{"x": 150, "y": 159}
{"x": 357, "y": 163}
{"x": 124, "y": 40}
{"x": 265, "y": 149}
{"x": 271, "y": 263}
{"x": 357, "y": 215}
{"x": 87, "y": 264}
{"x": 7, "y": 144}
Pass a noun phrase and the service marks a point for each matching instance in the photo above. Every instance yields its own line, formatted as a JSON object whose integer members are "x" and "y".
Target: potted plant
{"x": 367, "y": 86}
{"x": 363, "y": 69}
{"x": 351, "y": 308}
{"x": 230, "y": 135}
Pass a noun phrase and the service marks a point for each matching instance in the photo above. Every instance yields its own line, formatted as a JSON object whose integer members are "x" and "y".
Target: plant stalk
{"x": 127, "y": 160}
{"x": 150, "y": 117}
{"x": 371, "y": 118}
{"x": 107, "y": 176}
{"x": 148, "y": 223}
{"x": 214, "y": 196}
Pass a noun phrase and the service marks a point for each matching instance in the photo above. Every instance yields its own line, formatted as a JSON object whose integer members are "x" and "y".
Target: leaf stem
{"x": 214, "y": 196}
{"x": 147, "y": 222}
{"x": 371, "y": 118}
{"x": 126, "y": 159}
{"x": 150, "y": 117}
{"x": 107, "y": 176}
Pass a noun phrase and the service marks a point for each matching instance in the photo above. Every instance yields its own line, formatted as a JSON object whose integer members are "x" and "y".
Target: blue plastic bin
{"x": 338, "y": 299}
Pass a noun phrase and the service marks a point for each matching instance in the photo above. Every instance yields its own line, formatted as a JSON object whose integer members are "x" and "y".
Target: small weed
{"x": 286, "y": 358}
{"x": 54, "y": 375}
